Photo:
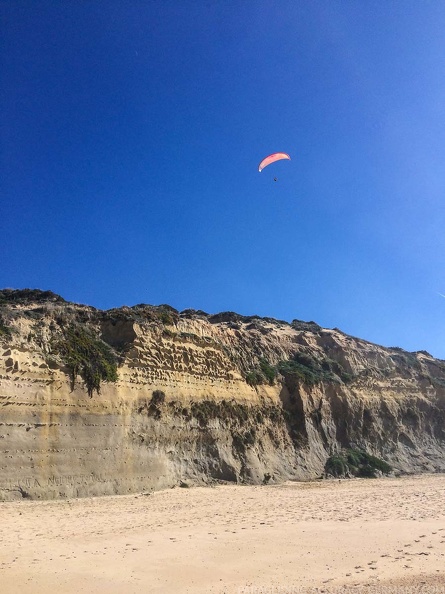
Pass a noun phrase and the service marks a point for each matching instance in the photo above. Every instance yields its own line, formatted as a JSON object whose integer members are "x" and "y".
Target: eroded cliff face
{"x": 200, "y": 398}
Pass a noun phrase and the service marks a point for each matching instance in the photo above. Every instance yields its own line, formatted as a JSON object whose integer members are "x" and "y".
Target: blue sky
{"x": 131, "y": 134}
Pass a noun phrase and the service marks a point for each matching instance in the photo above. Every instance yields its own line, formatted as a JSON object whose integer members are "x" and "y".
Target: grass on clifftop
{"x": 23, "y": 296}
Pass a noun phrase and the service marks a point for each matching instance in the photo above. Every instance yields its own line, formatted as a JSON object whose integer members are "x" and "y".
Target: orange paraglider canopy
{"x": 271, "y": 159}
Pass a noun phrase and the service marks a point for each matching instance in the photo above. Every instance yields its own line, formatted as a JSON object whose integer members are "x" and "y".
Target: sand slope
{"x": 385, "y": 535}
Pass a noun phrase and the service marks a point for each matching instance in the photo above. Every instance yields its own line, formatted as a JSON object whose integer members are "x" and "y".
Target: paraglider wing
{"x": 271, "y": 159}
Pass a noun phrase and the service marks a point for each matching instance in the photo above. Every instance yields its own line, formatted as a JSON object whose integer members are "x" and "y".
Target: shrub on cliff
{"x": 254, "y": 378}
{"x": 85, "y": 355}
{"x": 156, "y": 403}
{"x": 265, "y": 374}
{"x": 5, "y": 330}
{"x": 268, "y": 371}
{"x": 307, "y": 373}
{"x": 311, "y": 370}
{"x": 371, "y": 464}
{"x": 336, "y": 465}
{"x": 157, "y": 398}
{"x": 353, "y": 462}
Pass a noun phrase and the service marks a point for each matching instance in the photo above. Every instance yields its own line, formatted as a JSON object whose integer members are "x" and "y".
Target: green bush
{"x": 167, "y": 315}
{"x": 354, "y": 457}
{"x": 355, "y": 462}
{"x": 299, "y": 371}
{"x": 265, "y": 374}
{"x": 376, "y": 463}
{"x": 254, "y": 378}
{"x": 88, "y": 357}
{"x": 336, "y": 465}
{"x": 268, "y": 371}
{"x": 310, "y": 370}
{"x": 5, "y": 332}
{"x": 366, "y": 471}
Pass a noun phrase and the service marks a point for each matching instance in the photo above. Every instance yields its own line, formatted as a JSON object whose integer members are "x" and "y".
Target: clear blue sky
{"x": 131, "y": 133}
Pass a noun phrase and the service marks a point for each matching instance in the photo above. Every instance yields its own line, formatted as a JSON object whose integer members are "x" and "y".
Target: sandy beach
{"x": 384, "y": 535}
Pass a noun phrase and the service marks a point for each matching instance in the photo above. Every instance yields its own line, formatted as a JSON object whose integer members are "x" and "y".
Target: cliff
{"x": 126, "y": 400}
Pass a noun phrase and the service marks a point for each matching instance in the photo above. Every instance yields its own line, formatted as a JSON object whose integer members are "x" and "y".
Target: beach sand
{"x": 382, "y": 535}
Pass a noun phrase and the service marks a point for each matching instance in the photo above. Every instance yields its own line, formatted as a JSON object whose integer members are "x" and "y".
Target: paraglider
{"x": 271, "y": 159}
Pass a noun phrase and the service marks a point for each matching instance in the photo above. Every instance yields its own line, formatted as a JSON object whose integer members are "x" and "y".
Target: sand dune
{"x": 385, "y": 535}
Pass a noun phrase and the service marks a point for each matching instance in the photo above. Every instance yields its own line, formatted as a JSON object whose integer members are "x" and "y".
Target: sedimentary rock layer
{"x": 200, "y": 398}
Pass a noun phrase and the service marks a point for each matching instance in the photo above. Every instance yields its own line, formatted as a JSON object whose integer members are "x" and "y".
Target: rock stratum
{"x": 195, "y": 398}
